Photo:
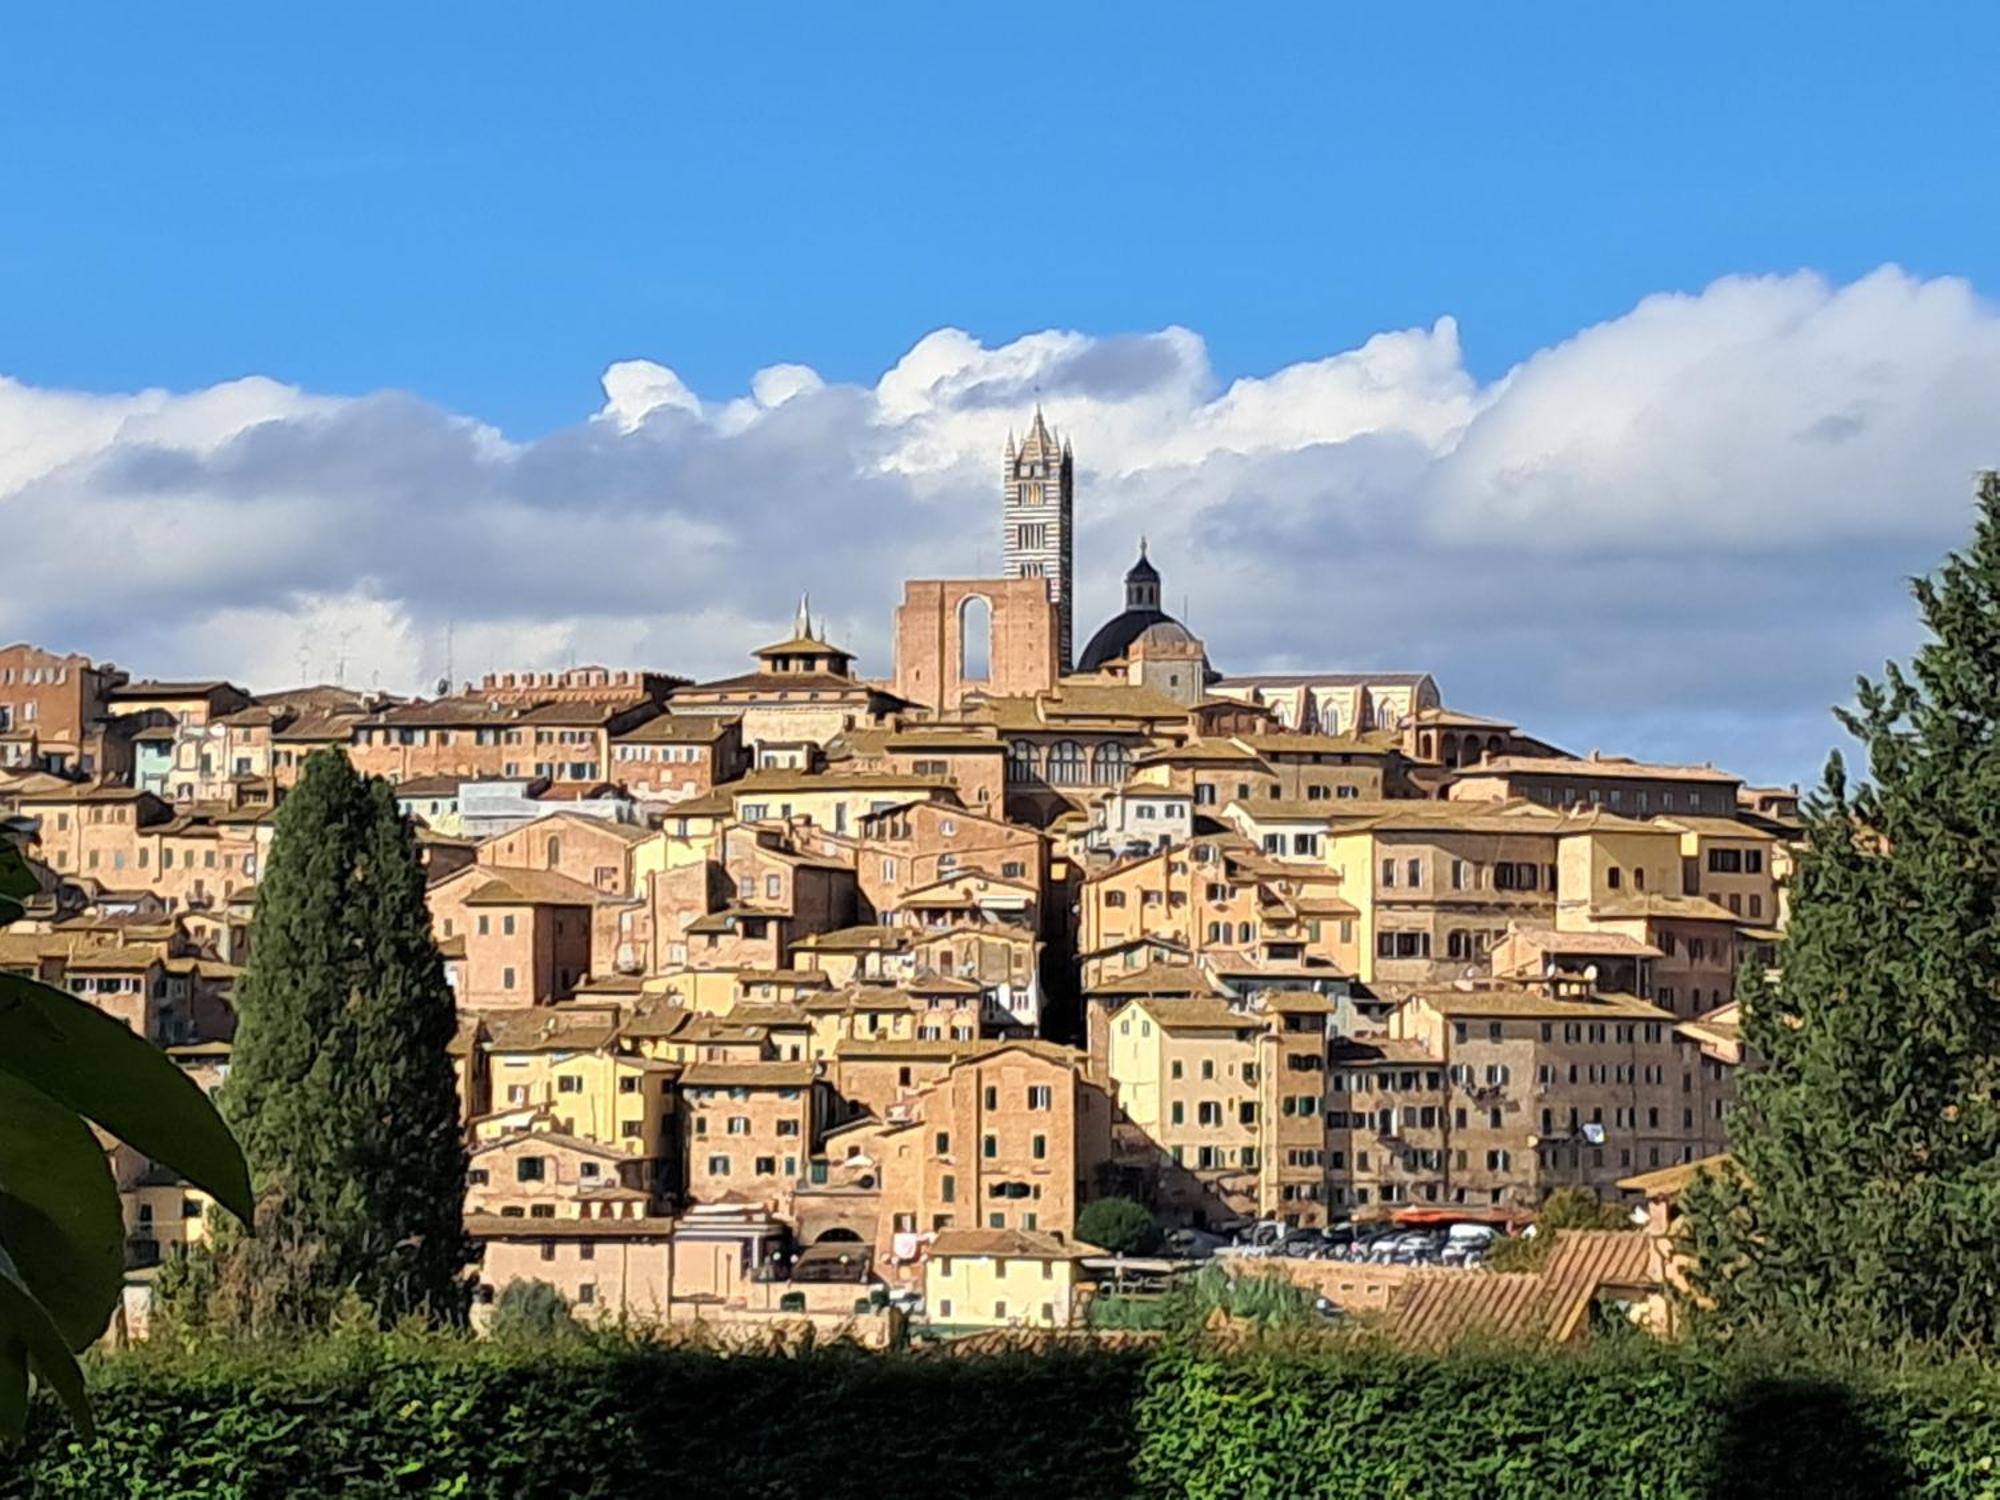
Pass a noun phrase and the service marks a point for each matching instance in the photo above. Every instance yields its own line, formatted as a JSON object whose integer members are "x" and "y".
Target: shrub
{"x": 1118, "y": 1225}
{"x": 531, "y": 1310}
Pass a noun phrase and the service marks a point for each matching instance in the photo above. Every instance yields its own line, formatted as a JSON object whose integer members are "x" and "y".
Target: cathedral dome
{"x": 1115, "y": 636}
{"x": 1142, "y": 618}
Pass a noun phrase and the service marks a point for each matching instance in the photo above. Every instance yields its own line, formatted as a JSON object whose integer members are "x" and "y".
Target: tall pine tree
{"x": 341, "y": 1088}
{"x": 1864, "y": 1198}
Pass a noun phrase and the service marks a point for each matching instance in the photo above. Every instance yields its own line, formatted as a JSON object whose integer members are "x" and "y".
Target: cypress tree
{"x": 341, "y": 1089}
{"x": 1862, "y": 1201}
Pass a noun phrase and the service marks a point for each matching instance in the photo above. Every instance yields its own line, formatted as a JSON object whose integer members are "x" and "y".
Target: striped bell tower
{"x": 1039, "y": 480}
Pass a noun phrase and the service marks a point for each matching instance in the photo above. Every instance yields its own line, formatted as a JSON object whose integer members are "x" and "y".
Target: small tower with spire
{"x": 1038, "y": 478}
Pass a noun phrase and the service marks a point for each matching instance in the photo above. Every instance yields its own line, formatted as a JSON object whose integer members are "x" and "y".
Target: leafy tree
{"x": 63, "y": 1065}
{"x": 1118, "y": 1225}
{"x": 1864, "y": 1186}
{"x": 1565, "y": 1208}
{"x": 341, "y": 1086}
{"x": 531, "y": 1311}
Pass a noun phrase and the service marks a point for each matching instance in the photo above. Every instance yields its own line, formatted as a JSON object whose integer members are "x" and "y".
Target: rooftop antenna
{"x": 305, "y": 657}
{"x": 450, "y": 626}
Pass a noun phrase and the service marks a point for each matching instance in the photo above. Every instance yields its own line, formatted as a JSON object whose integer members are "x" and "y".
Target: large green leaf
{"x": 59, "y": 1214}
{"x": 81, "y": 1057}
{"x": 29, "y": 1336}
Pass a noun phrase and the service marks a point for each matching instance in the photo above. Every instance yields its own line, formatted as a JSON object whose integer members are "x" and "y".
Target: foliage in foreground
{"x": 1865, "y": 1185}
{"x": 1291, "y": 1415}
{"x": 65, "y": 1065}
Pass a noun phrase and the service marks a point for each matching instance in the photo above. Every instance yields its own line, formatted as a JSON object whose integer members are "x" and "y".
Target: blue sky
{"x": 1617, "y": 365}
{"x": 485, "y": 204}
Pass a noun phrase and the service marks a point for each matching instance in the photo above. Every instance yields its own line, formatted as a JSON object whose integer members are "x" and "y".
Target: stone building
{"x": 1145, "y": 646}
{"x": 957, "y": 636}
{"x": 1039, "y": 481}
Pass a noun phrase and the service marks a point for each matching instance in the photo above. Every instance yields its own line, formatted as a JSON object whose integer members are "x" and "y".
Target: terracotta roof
{"x": 1584, "y": 1262}
{"x": 496, "y": 1227}
{"x": 624, "y": 833}
{"x": 1531, "y": 1001}
{"x": 1296, "y": 1003}
{"x": 1318, "y": 744}
{"x": 1363, "y": 1051}
{"x": 655, "y": 1021}
{"x": 1452, "y": 718}
{"x": 678, "y": 729}
{"x": 811, "y": 978}
{"x": 1655, "y": 904}
{"x": 1197, "y": 1015}
{"x": 1437, "y": 1308}
{"x": 551, "y": 1029}
{"x": 1155, "y": 979}
{"x": 1514, "y": 815}
{"x": 1716, "y": 828}
{"x": 1671, "y": 1182}
{"x": 1592, "y": 944}
{"x": 553, "y": 1138}
{"x": 866, "y": 939}
{"x": 787, "y": 682}
{"x": 1008, "y": 1244}
{"x": 759, "y": 782}
{"x": 912, "y": 1048}
{"x": 1588, "y": 767}
{"x": 757, "y": 1075}
{"x": 530, "y": 888}
{"x": 430, "y": 786}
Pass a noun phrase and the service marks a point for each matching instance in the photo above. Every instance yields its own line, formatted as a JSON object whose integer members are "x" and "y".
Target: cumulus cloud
{"x": 1679, "y": 533}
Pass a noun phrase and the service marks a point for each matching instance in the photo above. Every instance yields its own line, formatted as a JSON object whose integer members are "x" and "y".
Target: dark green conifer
{"x": 1863, "y": 1204}
{"x": 341, "y": 1088}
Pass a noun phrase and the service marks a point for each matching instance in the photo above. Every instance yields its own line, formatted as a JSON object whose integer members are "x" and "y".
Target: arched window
{"x": 975, "y": 639}
{"x": 1020, "y": 761}
{"x": 1066, "y": 763}
{"x": 1110, "y": 764}
{"x": 555, "y": 851}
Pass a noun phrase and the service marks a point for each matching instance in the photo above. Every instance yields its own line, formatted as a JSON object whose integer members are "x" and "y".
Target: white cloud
{"x": 1678, "y": 532}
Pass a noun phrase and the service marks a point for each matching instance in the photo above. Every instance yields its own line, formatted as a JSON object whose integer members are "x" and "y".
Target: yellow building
{"x": 571, "y": 1067}
{"x": 1184, "y": 1076}
{"x": 1004, "y": 1278}
{"x": 1436, "y": 884}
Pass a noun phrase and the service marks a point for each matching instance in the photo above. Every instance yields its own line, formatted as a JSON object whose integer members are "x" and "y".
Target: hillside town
{"x": 805, "y": 990}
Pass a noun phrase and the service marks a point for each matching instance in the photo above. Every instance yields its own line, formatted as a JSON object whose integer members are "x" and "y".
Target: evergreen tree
{"x": 341, "y": 1088}
{"x": 1861, "y": 1203}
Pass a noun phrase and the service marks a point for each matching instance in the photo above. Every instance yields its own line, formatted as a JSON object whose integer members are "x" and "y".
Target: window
{"x": 1388, "y": 872}
{"x": 989, "y": 1147}
{"x": 1066, "y": 763}
{"x": 1041, "y": 1096}
{"x": 531, "y": 1169}
{"x": 718, "y": 1166}
{"x": 506, "y": 979}
{"x": 1039, "y": 1148}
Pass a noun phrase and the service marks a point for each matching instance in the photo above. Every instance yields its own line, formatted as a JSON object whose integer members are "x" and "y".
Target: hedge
{"x": 604, "y": 1418}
